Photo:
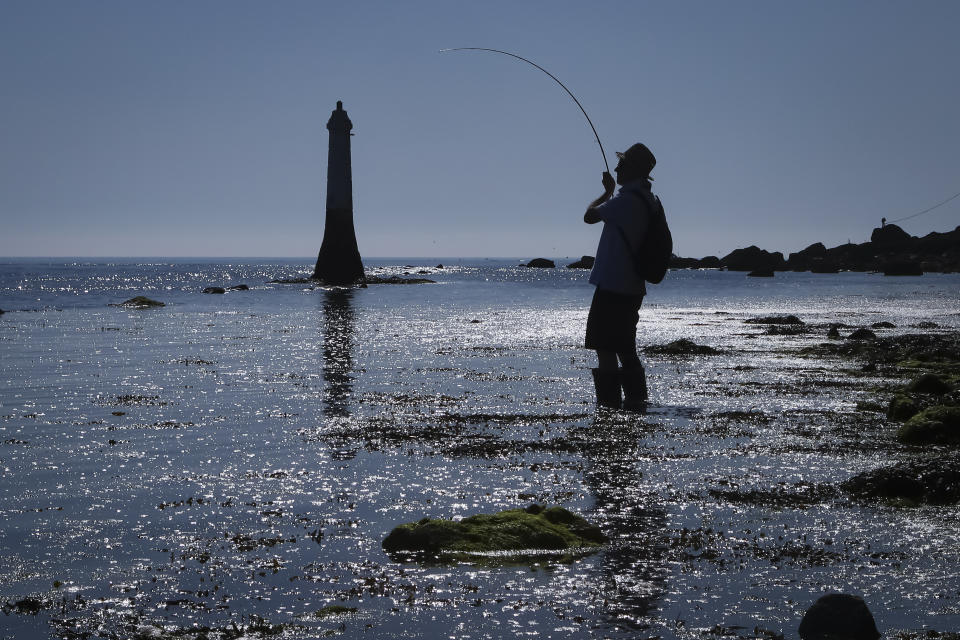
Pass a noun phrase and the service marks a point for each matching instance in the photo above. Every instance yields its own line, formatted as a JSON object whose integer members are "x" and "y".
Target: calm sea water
{"x": 238, "y": 458}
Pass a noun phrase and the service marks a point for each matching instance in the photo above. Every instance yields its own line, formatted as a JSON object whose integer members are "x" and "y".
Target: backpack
{"x": 652, "y": 258}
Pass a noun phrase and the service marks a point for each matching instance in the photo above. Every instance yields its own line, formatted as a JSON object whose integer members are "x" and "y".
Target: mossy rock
{"x": 902, "y": 407}
{"x": 140, "y": 302}
{"x": 939, "y": 424}
{"x": 533, "y": 528}
{"x": 930, "y": 383}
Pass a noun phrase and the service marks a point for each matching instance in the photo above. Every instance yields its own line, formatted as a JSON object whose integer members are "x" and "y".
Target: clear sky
{"x": 197, "y": 128}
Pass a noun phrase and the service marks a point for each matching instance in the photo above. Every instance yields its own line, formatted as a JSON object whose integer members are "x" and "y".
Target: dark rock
{"x": 862, "y": 334}
{"x": 788, "y": 319}
{"x": 934, "y": 480}
{"x": 708, "y": 262}
{"x": 890, "y": 250}
{"x": 139, "y": 302}
{"x": 883, "y": 325}
{"x": 334, "y": 610}
{"x": 239, "y": 287}
{"x": 890, "y": 237}
{"x": 439, "y": 266}
{"x": 1, "y": 312}
{"x": 784, "y": 330}
{"x": 540, "y": 263}
{"x": 939, "y": 424}
{"x": 834, "y": 333}
{"x": 813, "y": 258}
{"x": 586, "y": 262}
{"x": 28, "y": 606}
{"x": 761, "y": 273}
{"x": 398, "y": 280}
{"x": 214, "y": 290}
{"x": 682, "y": 347}
{"x": 902, "y": 268}
{"x": 753, "y": 258}
{"x": 824, "y": 267}
{"x": 930, "y": 383}
{"x": 838, "y": 616}
{"x": 816, "y": 250}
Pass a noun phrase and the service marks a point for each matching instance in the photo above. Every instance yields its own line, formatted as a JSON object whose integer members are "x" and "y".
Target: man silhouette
{"x": 612, "y": 322}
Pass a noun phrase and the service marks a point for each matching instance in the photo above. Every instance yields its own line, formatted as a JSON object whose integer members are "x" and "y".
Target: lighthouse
{"x": 338, "y": 262}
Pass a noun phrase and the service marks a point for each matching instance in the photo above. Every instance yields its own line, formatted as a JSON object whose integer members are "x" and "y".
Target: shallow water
{"x": 242, "y": 455}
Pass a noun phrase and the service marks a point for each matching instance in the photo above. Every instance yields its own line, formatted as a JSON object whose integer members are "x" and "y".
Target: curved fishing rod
{"x": 570, "y": 93}
{"x": 936, "y": 206}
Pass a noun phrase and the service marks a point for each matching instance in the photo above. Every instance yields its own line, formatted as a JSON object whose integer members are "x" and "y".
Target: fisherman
{"x": 612, "y": 322}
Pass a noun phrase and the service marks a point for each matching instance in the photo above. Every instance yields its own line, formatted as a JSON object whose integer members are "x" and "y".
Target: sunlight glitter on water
{"x": 250, "y": 454}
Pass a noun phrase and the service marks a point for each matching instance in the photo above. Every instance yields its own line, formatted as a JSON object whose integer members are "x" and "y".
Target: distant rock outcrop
{"x": 709, "y": 262}
{"x": 891, "y": 250}
{"x": 902, "y": 268}
{"x": 753, "y": 258}
{"x": 236, "y": 287}
{"x": 541, "y": 263}
{"x": 586, "y": 262}
{"x": 890, "y": 237}
{"x": 139, "y": 302}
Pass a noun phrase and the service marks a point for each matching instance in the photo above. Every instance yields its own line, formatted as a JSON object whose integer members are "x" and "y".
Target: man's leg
{"x": 634, "y": 381}
{"x": 606, "y": 379}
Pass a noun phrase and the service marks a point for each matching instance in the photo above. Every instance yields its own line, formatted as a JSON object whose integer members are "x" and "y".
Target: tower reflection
{"x": 338, "y": 336}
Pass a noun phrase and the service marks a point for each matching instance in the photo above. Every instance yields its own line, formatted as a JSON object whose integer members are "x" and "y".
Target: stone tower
{"x": 338, "y": 262}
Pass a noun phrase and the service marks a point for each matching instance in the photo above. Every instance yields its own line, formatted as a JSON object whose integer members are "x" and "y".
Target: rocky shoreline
{"x": 890, "y": 250}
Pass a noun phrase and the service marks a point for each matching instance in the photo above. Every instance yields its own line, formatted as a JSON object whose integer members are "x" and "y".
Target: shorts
{"x": 612, "y": 322}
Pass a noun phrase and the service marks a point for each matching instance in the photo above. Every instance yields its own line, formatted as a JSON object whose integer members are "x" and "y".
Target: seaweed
{"x": 533, "y": 528}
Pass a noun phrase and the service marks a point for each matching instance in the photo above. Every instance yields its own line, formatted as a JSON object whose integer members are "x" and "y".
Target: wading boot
{"x": 607, "y": 385}
{"x": 634, "y": 383}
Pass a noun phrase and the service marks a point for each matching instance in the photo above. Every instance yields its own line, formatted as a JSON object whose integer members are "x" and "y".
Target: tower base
{"x": 338, "y": 262}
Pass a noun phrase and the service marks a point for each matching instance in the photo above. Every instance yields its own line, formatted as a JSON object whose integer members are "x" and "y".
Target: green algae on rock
{"x": 930, "y": 383}
{"x": 903, "y": 407}
{"x": 939, "y": 424}
{"x": 532, "y": 528}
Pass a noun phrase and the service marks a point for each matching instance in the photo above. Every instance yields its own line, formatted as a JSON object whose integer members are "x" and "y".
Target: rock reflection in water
{"x": 338, "y": 327}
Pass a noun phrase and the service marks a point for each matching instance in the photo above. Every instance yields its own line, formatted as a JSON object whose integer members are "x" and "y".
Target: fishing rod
{"x": 570, "y": 93}
{"x": 936, "y": 206}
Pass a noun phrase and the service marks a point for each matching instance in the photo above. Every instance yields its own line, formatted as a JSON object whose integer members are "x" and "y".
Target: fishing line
{"x": 570, "y": 93}
{"x": 956, "y": 195}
